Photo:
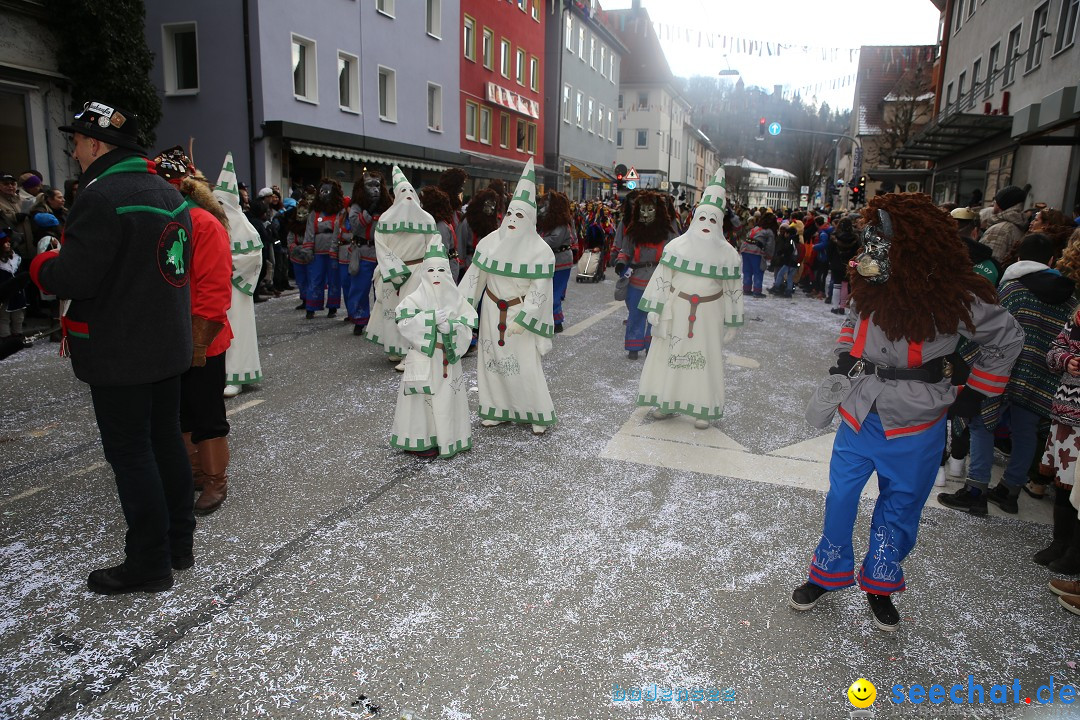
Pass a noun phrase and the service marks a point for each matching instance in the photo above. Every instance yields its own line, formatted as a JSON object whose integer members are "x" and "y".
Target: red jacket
{"x": 211, "y": 275}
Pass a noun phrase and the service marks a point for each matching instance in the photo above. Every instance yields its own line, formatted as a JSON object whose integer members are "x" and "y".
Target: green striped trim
{"x": 541, "y": 418}
{"x": 718, "y": 272}
{"x": 407, "y": 226}
{"x": 171, "y": 214}
{"x": 246, "y": 288}
{"x": 72, "y": 333}
{"x": 246, "y": 378}
{"x": 425, "y": 390}
{"x": 524, "y": 270}
{"x": 646, "y": 306}
{"x": 678, "y": 408}
{"x": 540, "y": 328}
{"x": 733, "y": 321}
{"x": 393, "y": 274}
{"x": 414, "y": 444}
{"x": 135, "y": 164}
{"x": 389, "y": 351}
{"x": 455, "y": 448}
{"x": 471, "y": 324}
{"x": 245, "y": 248}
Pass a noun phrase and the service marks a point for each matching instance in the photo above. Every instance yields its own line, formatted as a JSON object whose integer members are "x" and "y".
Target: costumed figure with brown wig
{"x": 402, "y": 235}
{"x": 370, "y": 199}
{"x": 693, "y": 300}
{"x": 242, "y": 364}
{"x": 452, "y": 182}
{"x": 300, "y": 257}
{"x": 913, "y": 294}
{"x": 438, "y": 205}
{"x": 510, "y": 279}
{"x": 322, "y": 236}
{"x": 481, "y": 219}
{"x": 556, "y": 226}
{"x": 646, "y": 231}
{"x": 202, "y": 405}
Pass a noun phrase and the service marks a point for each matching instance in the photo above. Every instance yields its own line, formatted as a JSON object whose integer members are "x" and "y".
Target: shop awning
{"x": 340, "y": 153}
{"x": 577, "y": 173}
{"x": 490, "y": 166}
{"x": 952, "y": 133}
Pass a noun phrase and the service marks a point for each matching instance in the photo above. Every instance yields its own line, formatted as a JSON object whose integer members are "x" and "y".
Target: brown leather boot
{"x": 214, "y": 457}
{"x": 196, "y": 469}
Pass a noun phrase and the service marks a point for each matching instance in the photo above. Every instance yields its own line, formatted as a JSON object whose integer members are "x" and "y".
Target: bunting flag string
{"x": 748, "y": 46}
{"x": 814, "y": 89}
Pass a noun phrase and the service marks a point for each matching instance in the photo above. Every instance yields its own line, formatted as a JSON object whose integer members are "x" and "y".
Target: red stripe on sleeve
{"x": 985, "y": 389}
{"x": 860, "y": 338}
{"x": 983, "y": 375}
{"x": 914, "y": 354}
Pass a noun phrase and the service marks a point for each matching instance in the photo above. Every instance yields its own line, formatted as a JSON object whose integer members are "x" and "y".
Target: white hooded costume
{"x": 694, "y": 295}
{"x": 242, "y": 364}
{"x": 511, "y": 279}
{"x": 437, "y": 322}
{"x": 401, "y": 239}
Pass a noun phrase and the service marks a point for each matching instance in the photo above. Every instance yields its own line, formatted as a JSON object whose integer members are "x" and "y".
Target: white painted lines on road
{"x": 244, "y": 406}
{"x": 592, "y": 319}
{"x": 88, "y": 469}
{"x": 20, "y": 496}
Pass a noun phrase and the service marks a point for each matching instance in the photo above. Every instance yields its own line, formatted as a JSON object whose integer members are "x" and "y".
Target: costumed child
{"x": 300, "y": 257}
{"x": 692, "y": 297}
{"x": 556, "y": 227}
{"x": 370, "y": 199}
{"x": 323, "y": 235}
{"x": 242, "y": 364}
{"x": 401, "y": 239}
{"x": 913, "y": 293}
{"x": 510, "y": 280}
{"x": 648, "y": 228}
{"x": 432, "y": 413}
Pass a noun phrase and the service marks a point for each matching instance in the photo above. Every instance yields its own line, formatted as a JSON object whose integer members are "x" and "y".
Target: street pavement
{"x": 529, "y": 578}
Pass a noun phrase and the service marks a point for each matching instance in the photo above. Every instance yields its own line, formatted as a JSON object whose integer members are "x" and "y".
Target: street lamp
{"x": 728, "y": 71}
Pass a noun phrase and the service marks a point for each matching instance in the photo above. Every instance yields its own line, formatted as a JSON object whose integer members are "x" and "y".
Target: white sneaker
{"x": 701, "y": 424}
{"x": 400, "y": 367}
{"x": 939, "y": 480}
{"x": 954, "y": 468}
{"x": 491, "y": 423}
{"x": 231, "y": 391}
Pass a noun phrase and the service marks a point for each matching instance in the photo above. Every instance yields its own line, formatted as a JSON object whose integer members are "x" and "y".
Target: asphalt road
{"x": 528, "y": 578}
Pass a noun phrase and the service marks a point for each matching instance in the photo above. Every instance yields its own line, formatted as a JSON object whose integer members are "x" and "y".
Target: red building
{"x": 502, "y": 81}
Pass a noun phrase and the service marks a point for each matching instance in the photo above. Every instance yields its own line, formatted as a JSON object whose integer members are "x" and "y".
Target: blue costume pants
{"x": 906, "y": 467}
{"x": 560, "y": 281}
{"x": 345, "y": 282}
{"x": 785, "y": 274}
{"x": 300, "y": 273}
{"x": 358, "y": 296}
{"x": 638, "y": 330}
{"x": 1025, "y": 435}
{"x": 753, "y": 272}
{"x": 323, "y": 278}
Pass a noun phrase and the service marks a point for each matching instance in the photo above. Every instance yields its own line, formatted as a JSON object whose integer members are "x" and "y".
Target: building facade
{"x": 584, "y": 63}
{"x": 501, "y": 99}
{"x": 1007, "y": 103}
{"x": 313, "y": 95}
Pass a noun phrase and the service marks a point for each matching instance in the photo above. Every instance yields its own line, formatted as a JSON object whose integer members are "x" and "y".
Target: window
{"x": 960, "y": 82}
{"x": 991, "y": 69}
{"x": 642, "y": 138}
{"x": 579, "y": 100}
{"x": 958, "y": 16}
{"x": 387, "y": 94}
{"x": 600, "y": 121}
{"x": 522, "y": 138}
{"x": 642, "y": 100}
{"x": 434, "y": 107}
{"x": 1066, "y": 28}
{"x": 303, "y": 63}
{"x": 592, "y": 51}
{"x": 610, "y": 125}
{"x": 504, "y": 57}
{"x": 386, "y": 7}
{"x": 620, "y": 101}
{"x": 487, "y": 49}
{"x": 434, "y": 18}
{"x": 603, "y": 58}
{"x": 1011, "y": 49}
{"x": 976, "y": 72}
{"x": 485, "y": 125}
{"x": 611, "y": 67}
{"x": 504, "y": 130}
{"x": 519, "y": 66}
{"x": 535, "y": 9}
{"x": 618, "y": 138}
{"x": 569, "y": 32}
{"x": 530, "y": 142}
{"x": 581, "y": 42}
{"x": 591, "y": 127}
{"x": 948, "y": 95}
{"x": 534, "y": 73}
{"x": 1038, "y": 34}
{"x": 972, "y": 4}
{"x": 471, "y": 111}
{"x": 468, "y": 40}
{"x": 523, "y": 5}
{"x": 566, "y": 103}
{"x": 348, "y": 67}
{"x": 181, "y": 59}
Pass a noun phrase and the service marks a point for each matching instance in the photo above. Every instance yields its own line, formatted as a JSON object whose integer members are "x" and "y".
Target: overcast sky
{"x": 819, "y": 23}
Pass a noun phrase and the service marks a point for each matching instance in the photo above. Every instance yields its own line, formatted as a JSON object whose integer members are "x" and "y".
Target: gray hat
{"x": 1009, "y": 196}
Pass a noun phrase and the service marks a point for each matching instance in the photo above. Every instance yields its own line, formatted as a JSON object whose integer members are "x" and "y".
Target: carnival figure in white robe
{"x": 401, "y": 239}
{"x": 432, "y": 413}
{"x": 511, "y": 280}
{"x": 693, "y": 299}
{"x": 242, "y": 365}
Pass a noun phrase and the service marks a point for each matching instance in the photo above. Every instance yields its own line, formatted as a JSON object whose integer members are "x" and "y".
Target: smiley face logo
{"x": 862, "y": 693}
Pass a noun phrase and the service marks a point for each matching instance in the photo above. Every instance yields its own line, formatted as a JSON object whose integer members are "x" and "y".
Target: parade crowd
{"x": 960, "y": 335}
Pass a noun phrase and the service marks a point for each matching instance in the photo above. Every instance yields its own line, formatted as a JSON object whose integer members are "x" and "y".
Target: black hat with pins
{"x": 107, "y": 123}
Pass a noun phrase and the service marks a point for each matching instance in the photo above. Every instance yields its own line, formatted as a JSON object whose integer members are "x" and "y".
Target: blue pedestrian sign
{"x": 774, "y": 128}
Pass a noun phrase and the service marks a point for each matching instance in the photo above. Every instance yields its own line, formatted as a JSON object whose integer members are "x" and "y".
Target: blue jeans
{"x": 1025, "y": 432}
{"x": 784, "y": 273}
{"x": 753, "y": 272}
{"x": 638, "y": 330}
{"x": 358, "y": 295}
{"x": 323, "y": 283}
{"x": 559, "y": 283}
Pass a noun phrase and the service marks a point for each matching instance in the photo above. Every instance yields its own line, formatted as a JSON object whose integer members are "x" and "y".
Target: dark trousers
{"x": 202, "y": 403}
{"x": 140, "y": 434}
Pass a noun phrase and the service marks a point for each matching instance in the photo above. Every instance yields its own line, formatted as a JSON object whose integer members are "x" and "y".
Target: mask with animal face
{"x": 646, "y": 213}
{"x": 372, "y": 189}
{"x": 489, "y": 207}
{"x": 873, "y": 262}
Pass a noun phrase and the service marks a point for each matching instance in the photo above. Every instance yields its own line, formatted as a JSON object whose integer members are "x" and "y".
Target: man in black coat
{"x": 124, "y": 266}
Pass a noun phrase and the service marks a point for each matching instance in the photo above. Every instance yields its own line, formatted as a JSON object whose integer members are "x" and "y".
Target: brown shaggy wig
{"x": 198, "y": 189}
{"x": 336, "y": 202}
{"x": 452, "y": 182}
{"x": 931, "y": 284}
{"x": 558, "y": 212}
{"x": 482, "y": 225}
{"x": 1069, "y": 264}
{"x": 436, "y": 202}
{"x": 658, "y": 231}
{"x": 359, "y": 196}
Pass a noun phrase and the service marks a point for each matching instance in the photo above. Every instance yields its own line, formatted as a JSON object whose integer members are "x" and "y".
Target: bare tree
{"x": 738, "y": 184}
{"x": 906, "y": 109}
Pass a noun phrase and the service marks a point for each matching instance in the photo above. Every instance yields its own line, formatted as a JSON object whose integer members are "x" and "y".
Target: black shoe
{"x": 757, "y": 294}
{"x": 558, "y": 327}
{"x": 1056, "y": 549}
{"x": 183, "y": 562}
{"x": 806, "y": 596}
{"x": 632, "y": 354}
{"x": 358, "y": 330}
{"x": 310, "y": 314}
{"x": 259, "y": 299}
{"x": 301, "y": 306}
{"x": 116, "y": 581}
{"x": 965, "y": 498}
{"x": 885, "y": 615}
{"x": 838, "y": 311}
{"x": 1000, "y": 496}
{"x": 789, "y": 295}
{"x": 332, "y": 312}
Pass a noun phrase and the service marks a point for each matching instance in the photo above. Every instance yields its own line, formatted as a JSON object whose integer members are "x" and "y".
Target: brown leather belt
{"x": 696, "y": 300}
{"x": 414, "y": 262}
{"x": 503, "y": 305}
{"x": 445, "y": 362}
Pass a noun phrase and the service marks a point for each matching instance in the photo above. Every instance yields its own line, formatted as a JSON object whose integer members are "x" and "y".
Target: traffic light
{"x": 856, "y": 192}
{"x": 761, "y": 127}
{"x": 620, "y": 176}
